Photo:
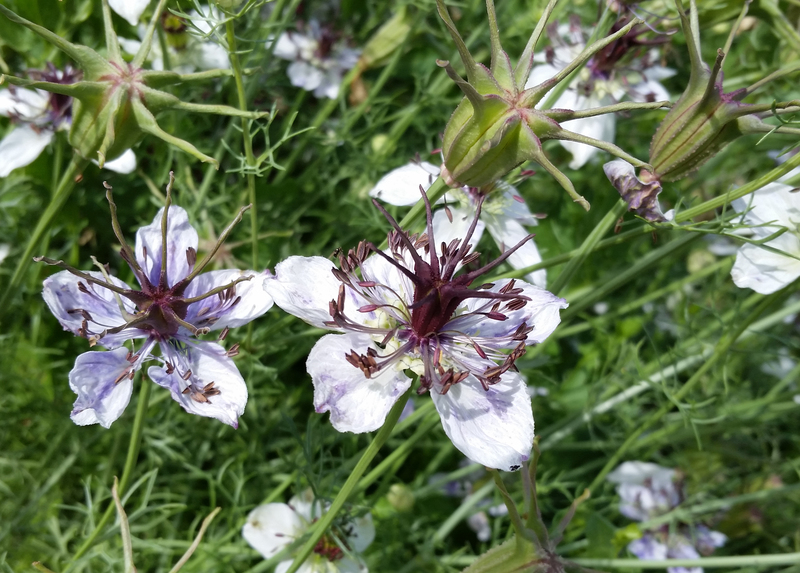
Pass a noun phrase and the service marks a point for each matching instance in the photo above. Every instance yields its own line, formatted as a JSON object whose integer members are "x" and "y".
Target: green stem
{"x": 352, "y": 481}
{"x": 720, "y": 352}
{"x": 127, "y": 472}
{"x": 589, "y": 245}
{"x": 57, "y": 202}
{"x": 248, "y": 142}
{"x": 730, "y": 561}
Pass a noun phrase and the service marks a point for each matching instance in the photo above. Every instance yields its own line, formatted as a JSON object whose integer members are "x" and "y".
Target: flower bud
{"x": 496, "y": 127}
{"x": 116, "y": 102}
{"x": 705, "y": 118}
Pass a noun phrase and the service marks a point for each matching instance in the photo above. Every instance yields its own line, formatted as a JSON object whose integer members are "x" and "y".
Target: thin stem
{"x": 568, "y": 115}
{"x": 60, "y": 197}
{"x": 246, "y": 140}
{"x": 352, "y": 481}
{"x": 589, "y": 244}
{"x": 516, "y": 520}
{"x": 127, "y": 471}
{"x": 566, "y": 135}
{"x": 710, "y": 562}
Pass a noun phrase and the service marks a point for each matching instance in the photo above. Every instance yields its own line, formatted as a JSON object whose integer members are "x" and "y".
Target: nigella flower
{"x": 37, "y": 115}
{"x": 503, "y": 212}
{"x": 406, "y": 308}
{"x": 648, "y": 490}
{"x": 187, "y": 51}
{"x": 626, "y": 68}
{"x": 175, "y": 304}
{"x": 772, "y": 265}
{"x": 319, "y": 58}
{"x": 273, "y": 526}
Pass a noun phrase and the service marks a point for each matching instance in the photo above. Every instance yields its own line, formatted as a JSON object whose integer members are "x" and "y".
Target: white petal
{"x": 103, "y": 389}
{"x": 4, "y": 250}
{"x": 764, "y": 271}
{"x": 541, "y": 312}
{"x": 26, "y": 104}
{"x": 771, "y": 207}
{"x": 361, "y": 533}
{"x": 217, "y": 313}
{"x": 125, "y": 163}
{"x": 650, "y": 90}
{"x": 62, "y": 295}
{"x": 271, "y": 527}
{"x": 130, "y": 10}
{"x": 304, "y": 287}
{"x": 208, "y": 363}
{"x": 307, "y": 506}
{"x": 539, "y": 74}
{"x": 211, "y": 56}
{"x": 640, "y": 472}
{"x": 130, "y": 46}
{"x": 304, "y": 75}
{"x": 401, "y": 186}
{"x": 507, "y": 232}
{"x": 648, "y": 548}
{"x": 21, "y": 147}
{"x": 345, "y": 565}
{"x": 314, "y": 564}
{"x": 357, "y": 404}
{"x": 445, "y": 231}
{"x": 507, "y": 202}
{"x": 600, "y": 127}
{"x": 180, "y": 237}
{"x": 285, "y": 48}
{"x": 493, "y": 427}
{"x": 329, "y": 85}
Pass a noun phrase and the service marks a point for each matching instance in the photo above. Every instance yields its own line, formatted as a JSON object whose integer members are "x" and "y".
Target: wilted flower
{"x": 497, "y": 127}
{"x": 273, "y": 526}
{"x": 503, "y": 212}
{"x": 319, "y": 58}
{"x": 173, "y": 307}
{"x": 406, "y": 309}
{"x": 648, "y": 490}
{"x": 625, "y": 69}
{"x": 187, "y": 51}
{"x": 641, "y": 195}
{"x": 771, "y": 265}
{"x": 37, "y": 116}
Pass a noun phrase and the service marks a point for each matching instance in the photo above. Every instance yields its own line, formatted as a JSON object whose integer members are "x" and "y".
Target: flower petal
{"x": 285, "y": 48}
{"x": 271, "y": 527}
{"x": 445, "y": 231}
{"x": 130, "y": 10}
{"x": 181, "y": 236}
{"x": 27, "y": 105}
{"x": 648, "y": 548}
{"x": 216, "y": 312}
{"x": 103, "y": 388}
{"x": 602, "y": 127}
{"x": 770, "y": 208}
{"x": 329, "y": 86}
{"x": 401, "y": 186}
{"x": 21, "y": 147}
{"x": 357, "y": 404}
{"x": 125, "y": 163}
{"x": 304, "y": 75}
{"x": 493, "y": 427}
{"x": 765, "y": 271}
{"x": 361, "y": 533}
{"x": 207, "y": 363}
{"x": 507, "y": 233}
{"x": 65, "y": 300}
{"x": 304, "y": 287}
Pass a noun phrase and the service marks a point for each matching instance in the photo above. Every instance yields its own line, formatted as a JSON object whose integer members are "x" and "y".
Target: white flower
{"x": 38, "y": 115}
{"x": 273, "y": 526}
{"x": 645, "y": 490}
{"x": 172, "y": 307}
{"x": 601, "y": 82}
{"x": 319, "y": 60}
{"x": 406, "y": 309}
{"x": 503, "y": 213}
{"x": 130, "y": 10}
{"x": 769, "y": 267}
{"x": 188, "y": 52}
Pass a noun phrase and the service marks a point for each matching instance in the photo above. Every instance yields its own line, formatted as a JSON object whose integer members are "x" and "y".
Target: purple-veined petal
{"x": 507, "y": 233}
{"x": 125, "y": 163}
{"x": 62, "y": 295}
{"x": 493, "y": 427}
{"x": 357, "y": 404}
{"x": 181, "y": 236}
{"x": 304, "y": 287}
{"x": 304, "y": 75}
{"x": 208, "y": 363}
{"x": 401, "y": 186}
{"x": 541, "y": 312}
{"x": 217, "y": 313}
{"x": 271, "y": 527}
{"x": 21, "y": 147}
{"x": 130, "y": 10}
{"x": 101, "y": 381}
